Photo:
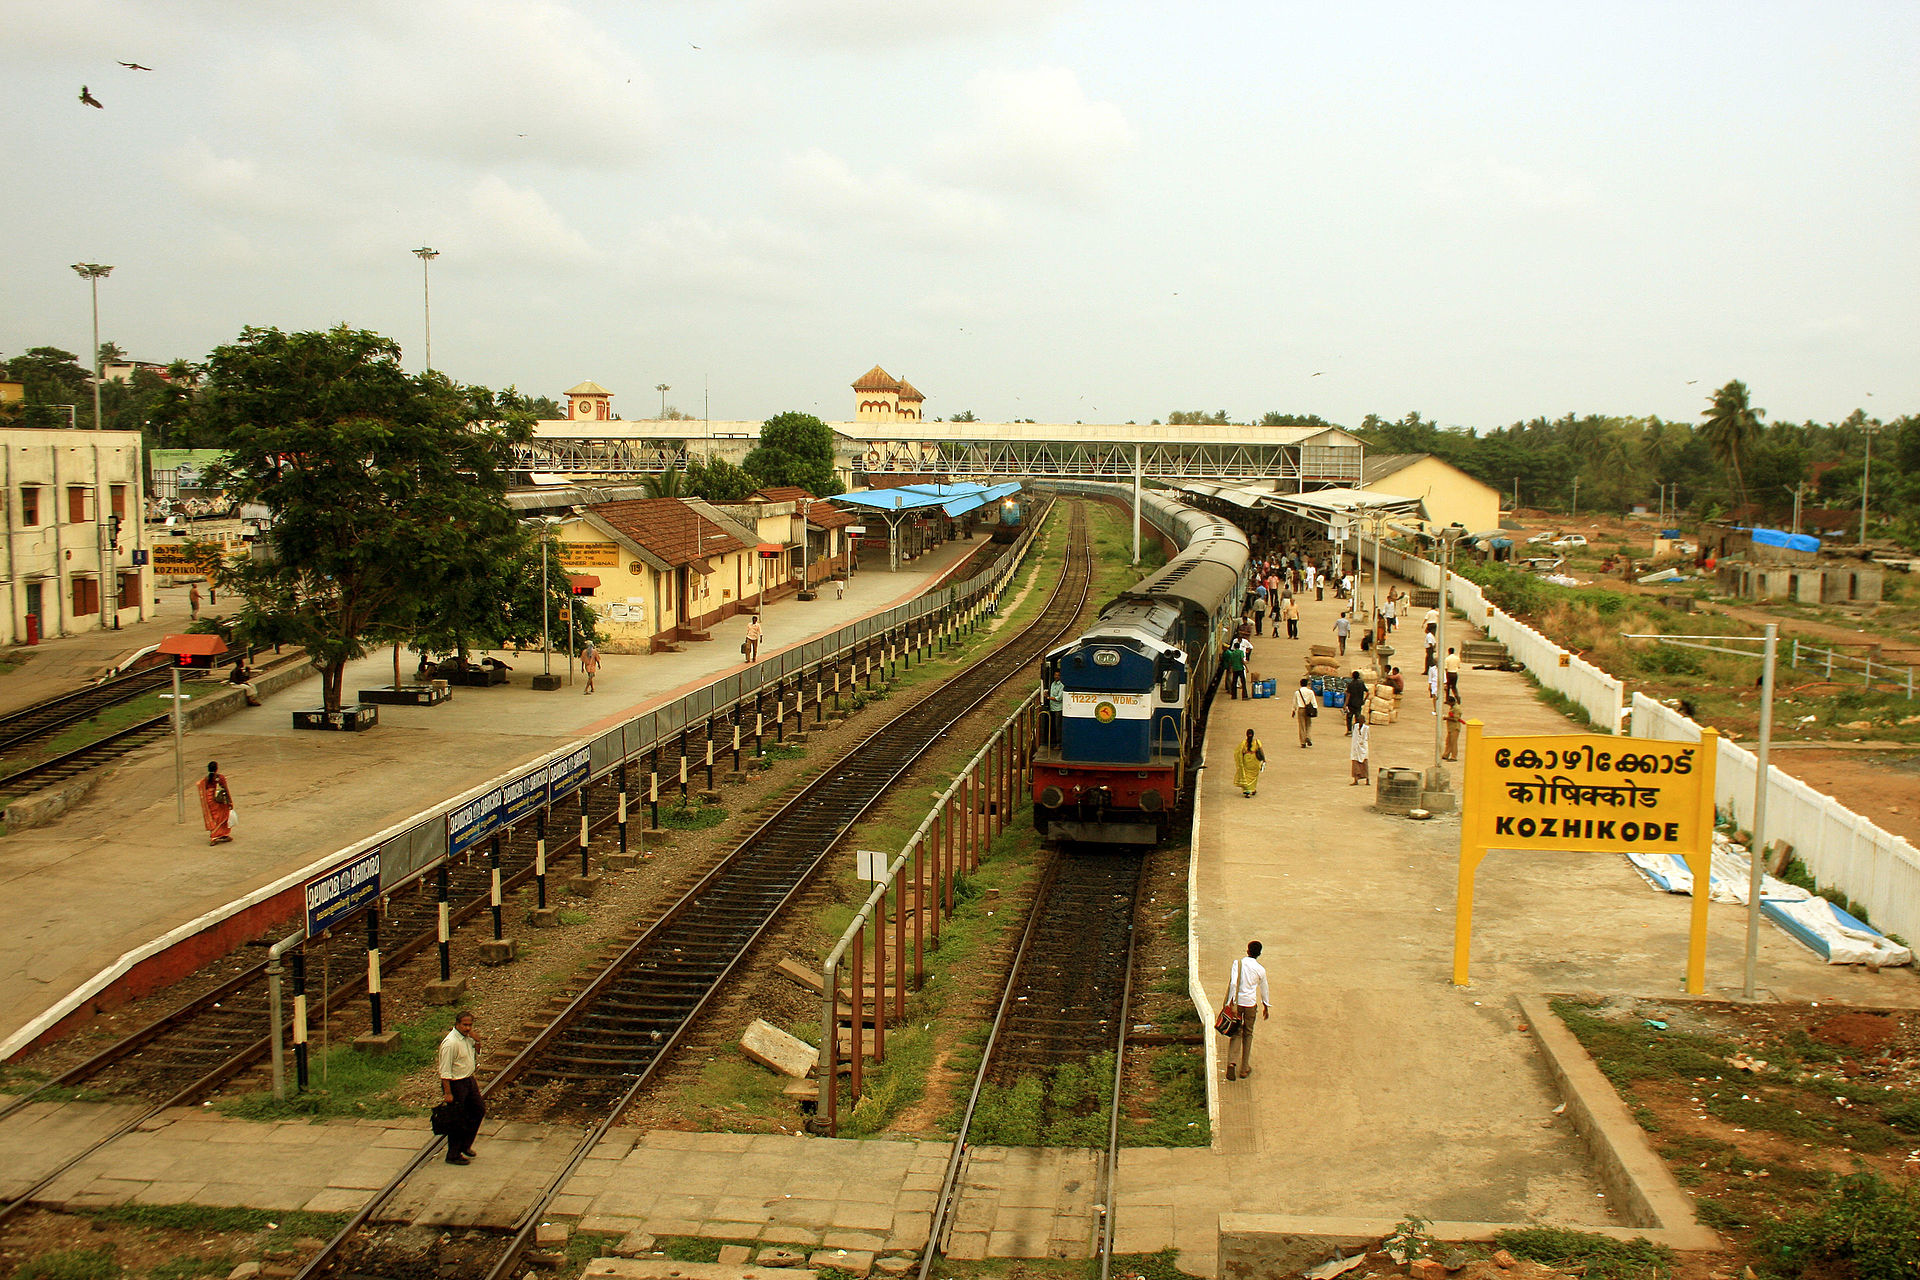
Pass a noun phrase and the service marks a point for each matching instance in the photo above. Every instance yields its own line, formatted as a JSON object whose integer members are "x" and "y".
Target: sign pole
{"x": 179, "y": 756}
{"x": 1756, "y": 867}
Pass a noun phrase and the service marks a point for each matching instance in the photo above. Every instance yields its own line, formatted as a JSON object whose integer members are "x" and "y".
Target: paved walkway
{"x": 62, "y": 663}
{"x": 122, "y": 869}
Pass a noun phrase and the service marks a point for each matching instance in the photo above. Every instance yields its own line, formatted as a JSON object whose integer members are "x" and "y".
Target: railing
{"x": 1874, "y": 867}
{"x": 1804, "y": 655}
{"x": 1600, "y": 695}
{"x": 949, "y": 843}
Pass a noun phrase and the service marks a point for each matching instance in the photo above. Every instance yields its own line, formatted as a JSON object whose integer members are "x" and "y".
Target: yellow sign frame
{"x": 1593, "y": 782}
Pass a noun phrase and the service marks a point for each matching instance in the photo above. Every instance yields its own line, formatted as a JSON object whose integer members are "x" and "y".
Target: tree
{"x": 670, "y": 483}
{"x": 385, "y": 489}
{"x": 1272, "y": 419}
{"x": 110, "y": 353}
{"x": 718, "y": 480}
{"x": 1197, "y": 418}
{"x": 538, "y": 408}
{"x": 1731, "y": 430}
{"x": 794, "y": 448}
{"x": 965, "y": 415}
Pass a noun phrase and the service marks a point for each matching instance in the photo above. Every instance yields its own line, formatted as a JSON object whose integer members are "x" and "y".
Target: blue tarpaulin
{"x": 1781, "y": 538}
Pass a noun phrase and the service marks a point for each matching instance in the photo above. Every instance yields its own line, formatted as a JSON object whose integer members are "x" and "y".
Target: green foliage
{"x": 1628, "y": 1053}
{"x": 718, "y": 480}
{"x": 1179, "y": 1117}
{"x": 896, "y": 1084}
{"x": 794, "y": 448}
{"x": 386, "y": 491}
{"x": 208, "y": 1219}
{"x": 1584, "y": 1253}
{"x": 189, "y": 1268}
{"x": 71, "y": 1264}
{"x": 1732, "y": 429}
{"x": 1409, "y": 1239}
{"x": 692, "y": 817}
{"x": 1866, "y": 1227}
{"x": 1198, "y": 418}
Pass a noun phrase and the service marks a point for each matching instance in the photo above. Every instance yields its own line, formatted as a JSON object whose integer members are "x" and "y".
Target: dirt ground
{"x": 1882, "y": 786}
{"x": 1758, "y": 1109}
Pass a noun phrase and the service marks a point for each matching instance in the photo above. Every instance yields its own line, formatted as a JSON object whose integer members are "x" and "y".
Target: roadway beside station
{"x": 122, "y": 870}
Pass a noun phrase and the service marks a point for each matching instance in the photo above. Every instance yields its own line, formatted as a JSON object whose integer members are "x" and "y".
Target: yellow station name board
{"x": 588, "y": 555}
{"x": 1586, "y": 793}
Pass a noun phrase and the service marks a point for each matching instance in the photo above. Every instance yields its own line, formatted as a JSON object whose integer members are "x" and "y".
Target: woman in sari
{"x": 216, "y": 805}
{"x": 1248, "y": 760}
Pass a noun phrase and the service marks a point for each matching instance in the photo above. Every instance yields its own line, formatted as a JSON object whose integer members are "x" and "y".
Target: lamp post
{"x": 546, "y": 680}
{"x": 179, "y": 754}
{"x": 95, "y": 271}
{"x": 1437, "y": 776}
{"x": 662, "y": 388}
{"x": 426, "y": 255}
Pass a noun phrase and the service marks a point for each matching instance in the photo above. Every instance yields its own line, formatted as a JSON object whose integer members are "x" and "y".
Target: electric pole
{"x": 91, "y": 272}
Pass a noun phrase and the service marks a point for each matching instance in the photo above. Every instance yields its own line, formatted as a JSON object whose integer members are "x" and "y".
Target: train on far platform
{"x": 1006, "y": 524}
{"x": 1118, "y": 758}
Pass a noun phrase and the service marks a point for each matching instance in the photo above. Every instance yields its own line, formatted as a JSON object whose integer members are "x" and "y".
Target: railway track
{"x": 1065, "y": 1003}
{"x": 50, "y": 715}
{"x": 598, "y": 1053}
{"x": 85, "y": 759}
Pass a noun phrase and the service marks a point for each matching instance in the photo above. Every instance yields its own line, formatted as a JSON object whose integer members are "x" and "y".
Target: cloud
{"x": 1037, "y": 132}
{"x": 517, "y": 223}
{"x": 236, "y": 186}
{"x": 890, "y": 202}
{"x": 493, "y": 82}
{"x": 687, "y": 257}
{"x": 880, "y": 24}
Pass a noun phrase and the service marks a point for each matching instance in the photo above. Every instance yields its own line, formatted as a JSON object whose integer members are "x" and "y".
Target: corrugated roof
{"x": 669, "y": 528}
{"x": 1378, "y": 466}
{"x": 877, "y": 379}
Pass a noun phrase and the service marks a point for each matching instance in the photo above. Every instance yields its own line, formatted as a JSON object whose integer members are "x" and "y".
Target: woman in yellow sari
{"x": 1248, "y": 760}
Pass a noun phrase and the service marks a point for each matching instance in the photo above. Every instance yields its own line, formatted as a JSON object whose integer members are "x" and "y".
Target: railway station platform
{"x": 120, "y": 870}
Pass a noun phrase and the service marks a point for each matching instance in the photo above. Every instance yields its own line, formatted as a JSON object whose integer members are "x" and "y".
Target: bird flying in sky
{"x": 90, "y": 100}
{"x": 134, "y": 66}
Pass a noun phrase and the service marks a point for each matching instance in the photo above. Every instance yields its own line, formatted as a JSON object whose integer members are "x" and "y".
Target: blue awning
{"x": 953, "y": 499}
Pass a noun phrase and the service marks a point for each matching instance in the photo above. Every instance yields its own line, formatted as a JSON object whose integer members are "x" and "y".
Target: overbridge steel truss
{"x": 1287, "y": 464}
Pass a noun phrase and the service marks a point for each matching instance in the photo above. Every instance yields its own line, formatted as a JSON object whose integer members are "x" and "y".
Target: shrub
{"x": 1867, "y": 1227}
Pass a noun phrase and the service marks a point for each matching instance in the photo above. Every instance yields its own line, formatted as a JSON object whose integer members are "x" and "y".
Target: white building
{"x": 68, "y": 494}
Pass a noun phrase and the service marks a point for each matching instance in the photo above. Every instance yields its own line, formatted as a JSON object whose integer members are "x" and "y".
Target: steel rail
{"x": 521, "y": 1061}
{"x": 120, "y": 743}
{"x": 1110, "y": 1165}
{"x": 63, "y": 709}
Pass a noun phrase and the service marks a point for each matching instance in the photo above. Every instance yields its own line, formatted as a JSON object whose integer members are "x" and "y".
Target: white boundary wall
{"x": 1875, "y": 868}
{"x": 1600, "y": 695}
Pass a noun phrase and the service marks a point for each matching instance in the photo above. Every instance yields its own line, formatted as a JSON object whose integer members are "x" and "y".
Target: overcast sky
{"x": 1028, "y": 208}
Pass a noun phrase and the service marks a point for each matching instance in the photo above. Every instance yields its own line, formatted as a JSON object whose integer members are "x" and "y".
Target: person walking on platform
{"x": 1237, "y": 669}
{"x": 459, "y": 1057}
{"x": 1452, "y": 665}
{"x": 1356, "y": 699}
{"x": 1260, "y": 611}
{"x": 1390, "y": 612}
{"x": 1246, "y": 988}
{"x": 1342, "y": 628}
{"x": 1248, "y": 760}
{"x": 753, "y": 639}
{"x": 193, "y": 601}
{"x": 1358, "y": 752}
{"x": 1290, "y": 610}
{"x": 1305, "y": 708}
{"x": 590, "y": 663}
{"x": 216, "y": 805}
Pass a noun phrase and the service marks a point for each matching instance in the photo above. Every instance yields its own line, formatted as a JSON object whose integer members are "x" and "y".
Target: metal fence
{"x": 1803, "y": 656}
{"x": 1874, "y": 867}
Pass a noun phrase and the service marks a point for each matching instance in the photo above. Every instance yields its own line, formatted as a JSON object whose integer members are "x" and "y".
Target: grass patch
{"x": 291, "y": 1223}
{"x": 896, "y": 1084}
{"x": 584, "y": 1246}
{"x": 1064, "y": 1107}
{"x": 349, "y": 1083}
{"x": 1866, "y": 1227}
{"x": 1629, "y": 1053}
{"x": 693, "y": 817}
{"x": 1179, "y": 1117}
{"x": 71, "y": 1264}
{"x": 567, "y": 915}
{"x": 1582, "y": 1253}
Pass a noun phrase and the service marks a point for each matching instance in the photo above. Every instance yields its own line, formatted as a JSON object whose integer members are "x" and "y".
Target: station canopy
{"x": 953, "y": 499}
{"x": 1323, "y": 505}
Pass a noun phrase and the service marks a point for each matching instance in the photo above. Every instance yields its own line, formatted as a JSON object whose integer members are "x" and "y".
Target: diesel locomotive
{"x": 1137, "y": 685}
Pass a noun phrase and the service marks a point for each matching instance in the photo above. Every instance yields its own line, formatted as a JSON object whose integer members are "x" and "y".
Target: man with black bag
{"x": 1246, "y": 987}
{"x": 461, "y": 1109}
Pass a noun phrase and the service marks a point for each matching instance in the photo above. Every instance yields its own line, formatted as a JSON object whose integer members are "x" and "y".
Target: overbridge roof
{"x": 954, "y": 499}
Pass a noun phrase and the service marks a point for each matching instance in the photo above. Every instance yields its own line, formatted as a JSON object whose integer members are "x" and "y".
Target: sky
{"x": 1095, "y": 212}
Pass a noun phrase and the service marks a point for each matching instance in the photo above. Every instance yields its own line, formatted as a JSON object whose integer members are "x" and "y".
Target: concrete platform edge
{"x": 1633, "y": 1173}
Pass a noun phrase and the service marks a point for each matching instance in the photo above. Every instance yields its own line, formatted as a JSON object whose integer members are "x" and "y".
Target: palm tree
{"x": 1732, "y": 429}
{"x": 666, "y": 484}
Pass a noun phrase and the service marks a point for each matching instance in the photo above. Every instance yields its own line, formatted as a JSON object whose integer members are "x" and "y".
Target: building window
{"x": 86, "y": 597}
{"x": 118, "y": 495}
{"x": 29, "y": 504}
{"x": 130, "y": 589}
{"x": 76, "y": 504}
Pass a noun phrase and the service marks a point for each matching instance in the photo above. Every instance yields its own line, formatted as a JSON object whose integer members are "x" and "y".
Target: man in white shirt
{"x": 459, "y": 1057}
{"x": 1246, "y": 987}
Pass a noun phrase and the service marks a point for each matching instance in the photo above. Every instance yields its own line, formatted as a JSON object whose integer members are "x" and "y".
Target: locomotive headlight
{"x": 1152, "y": 801}
{"x": 1051, "y": 797}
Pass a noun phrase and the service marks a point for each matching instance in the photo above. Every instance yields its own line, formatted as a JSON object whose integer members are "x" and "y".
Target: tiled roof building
{"x": 881, "y": 397}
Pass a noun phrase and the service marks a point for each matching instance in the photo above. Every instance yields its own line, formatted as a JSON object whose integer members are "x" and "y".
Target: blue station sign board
{"x": 342, "y": 891}
{"x": 516, "y": 800}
